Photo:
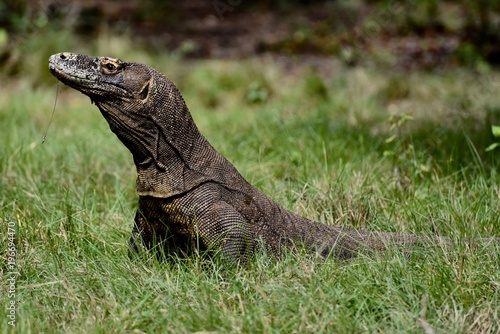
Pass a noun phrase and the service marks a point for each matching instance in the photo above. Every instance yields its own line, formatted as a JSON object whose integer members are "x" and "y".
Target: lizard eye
{"x": 110, "y": 67}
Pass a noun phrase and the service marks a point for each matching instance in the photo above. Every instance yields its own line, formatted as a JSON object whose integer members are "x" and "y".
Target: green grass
{"x": 318, "y": 146}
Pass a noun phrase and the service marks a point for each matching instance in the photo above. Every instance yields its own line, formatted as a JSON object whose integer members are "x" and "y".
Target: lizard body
{"x": 189, "y": 194}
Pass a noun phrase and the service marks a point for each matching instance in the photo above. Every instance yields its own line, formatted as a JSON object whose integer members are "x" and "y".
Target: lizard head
{"x": 121, "y": 91}
{"x": 102, "y": 78}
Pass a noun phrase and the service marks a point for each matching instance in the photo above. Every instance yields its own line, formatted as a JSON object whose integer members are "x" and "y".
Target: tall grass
{"x": 321, "y": 146}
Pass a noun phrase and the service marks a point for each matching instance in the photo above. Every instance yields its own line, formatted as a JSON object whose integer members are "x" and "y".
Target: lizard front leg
{"x": 161, "y": 234}
{"x": 222, "y": 228}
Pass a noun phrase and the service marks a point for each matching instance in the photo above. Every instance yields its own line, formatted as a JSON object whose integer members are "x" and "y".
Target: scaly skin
{"x": 190, "y": 196}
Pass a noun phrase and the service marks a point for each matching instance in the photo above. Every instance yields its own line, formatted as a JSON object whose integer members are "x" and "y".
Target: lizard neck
{"x": 179, "y": 158}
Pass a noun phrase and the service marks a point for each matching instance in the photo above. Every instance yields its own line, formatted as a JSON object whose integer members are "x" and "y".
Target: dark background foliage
{"x": 418, "y": 33}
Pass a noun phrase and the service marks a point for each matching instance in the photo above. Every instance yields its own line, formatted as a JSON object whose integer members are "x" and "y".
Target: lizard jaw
{"x": 62, "y": 66}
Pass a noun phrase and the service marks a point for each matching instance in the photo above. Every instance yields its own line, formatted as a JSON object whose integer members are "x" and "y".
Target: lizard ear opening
{"x": 144, "y": 92}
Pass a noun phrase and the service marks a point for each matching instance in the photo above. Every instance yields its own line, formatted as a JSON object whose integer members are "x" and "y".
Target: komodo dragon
{"x": 190, "y": 196}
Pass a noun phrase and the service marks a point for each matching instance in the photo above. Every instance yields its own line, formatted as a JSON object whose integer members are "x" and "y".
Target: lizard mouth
{"x": 66, "y": 78}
